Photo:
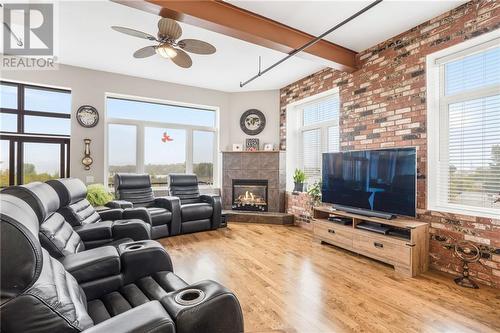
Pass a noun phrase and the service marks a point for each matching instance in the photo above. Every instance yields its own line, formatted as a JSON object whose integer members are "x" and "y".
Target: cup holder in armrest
{"x": 190, "y": 297}
{"x": 135, "y": 247}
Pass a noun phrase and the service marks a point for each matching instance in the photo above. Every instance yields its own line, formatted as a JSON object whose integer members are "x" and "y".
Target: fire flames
{"x": 250, "y": 199}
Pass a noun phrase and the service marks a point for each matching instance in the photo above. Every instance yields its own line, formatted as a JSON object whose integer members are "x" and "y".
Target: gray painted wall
{"x": 91, "y": 86}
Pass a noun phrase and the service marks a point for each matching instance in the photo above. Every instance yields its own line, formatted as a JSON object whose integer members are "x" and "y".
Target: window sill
{"x": 480, "y": 212}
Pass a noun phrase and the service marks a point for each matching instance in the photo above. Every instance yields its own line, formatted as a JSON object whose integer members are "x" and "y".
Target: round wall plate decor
{"x": 87, "y": 116}
{"x": 252, "y": 122}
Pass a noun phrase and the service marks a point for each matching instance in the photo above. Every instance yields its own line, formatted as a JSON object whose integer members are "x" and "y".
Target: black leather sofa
{"x": 130, "y": 288}
{"x": 134, "y": 190}
{"x": 62, "y": 239}
{"x": 197, "y": 212}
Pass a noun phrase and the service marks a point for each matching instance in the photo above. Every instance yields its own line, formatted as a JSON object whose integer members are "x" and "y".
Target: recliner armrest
{"x": 93, "y": 264}
{"x": 140, "y": 213}
{"x": 133, "y": 228}
{"x": 111, "y": 214}
{"x": 95, "y": 231}
{"x": 119, "y": 204}
{"x": 147, "y": 317}
{"x": 173, "y": 204}
{"x": 143, "y": 258}
{"x": 198, "y": 305}
{"x": 216, "y": 202}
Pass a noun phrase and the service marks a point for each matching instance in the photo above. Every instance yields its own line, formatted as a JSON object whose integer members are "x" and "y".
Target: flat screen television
{"x": 381, "y": 180}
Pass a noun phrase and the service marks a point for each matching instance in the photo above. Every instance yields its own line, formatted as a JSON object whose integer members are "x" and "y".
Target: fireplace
{"x": 250, "y": 194}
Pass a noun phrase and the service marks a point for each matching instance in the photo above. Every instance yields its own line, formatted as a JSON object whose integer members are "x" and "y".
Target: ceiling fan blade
{"x": 145, "y": 52}
{"x": 182, "y": 59}
{"x": 169, "y": 27}
{"x": 132, "y": 32}
{"x": 197, "y": 46}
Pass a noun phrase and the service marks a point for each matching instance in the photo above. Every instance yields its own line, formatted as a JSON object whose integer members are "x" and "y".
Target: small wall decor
{"x": 252, "y": 144}
{"x": 252, "y": 122}
{"x": 268, "y": 147}
{"x": 237, "y": 147}
{"x": 87, "y": 160}
{"x": 87, "y": 116}
{"x": 166, "y": 137}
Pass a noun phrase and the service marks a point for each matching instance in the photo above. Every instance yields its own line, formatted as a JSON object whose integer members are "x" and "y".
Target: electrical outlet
{"x": 89, "y": 179}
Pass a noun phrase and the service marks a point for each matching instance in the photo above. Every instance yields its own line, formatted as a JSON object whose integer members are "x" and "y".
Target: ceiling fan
{"x": 169, "y": 31}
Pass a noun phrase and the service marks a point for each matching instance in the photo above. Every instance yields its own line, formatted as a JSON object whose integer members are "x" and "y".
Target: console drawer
{"x": 334, "y": 234}
{"x": 383, "y": 250}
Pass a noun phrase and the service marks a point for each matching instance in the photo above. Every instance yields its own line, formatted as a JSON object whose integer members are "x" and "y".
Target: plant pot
{"x": 299, "y": 187}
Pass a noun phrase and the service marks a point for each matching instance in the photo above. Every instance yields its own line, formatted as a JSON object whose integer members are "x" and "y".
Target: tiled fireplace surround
{"x": 264, "y": 165}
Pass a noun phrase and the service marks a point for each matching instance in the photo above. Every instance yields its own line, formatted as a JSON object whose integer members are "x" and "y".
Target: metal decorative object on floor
{"x": 469, "y": 253}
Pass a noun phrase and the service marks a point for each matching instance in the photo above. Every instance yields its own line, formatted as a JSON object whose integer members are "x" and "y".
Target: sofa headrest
{"x": 20, "y": 250}
{"x": 131, "y": 180}
{"x": 69, "y": 190}
{"x": 42, "y": 198}
{"x": 182, "y": 179}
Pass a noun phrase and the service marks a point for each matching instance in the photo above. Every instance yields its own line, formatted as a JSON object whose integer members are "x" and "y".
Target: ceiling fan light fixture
{"x": 166, "y": 51}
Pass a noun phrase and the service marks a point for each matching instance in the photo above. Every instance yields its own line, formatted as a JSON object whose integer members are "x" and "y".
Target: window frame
{"x": 17, "y": 139}
{"x": 140, "y": 135}
{"x": 437, "y": 119}
{"x": 295, "y": 128}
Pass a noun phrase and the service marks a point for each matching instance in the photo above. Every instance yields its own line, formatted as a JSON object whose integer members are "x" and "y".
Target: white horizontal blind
{"x": 320, "y": 133}
{"x": 469, "y": 134}
{"x": 321, "y": 111}
{"x": 311, "y": 147}
{"x": 333, "y": 139}
{"x": 473, "y": 72}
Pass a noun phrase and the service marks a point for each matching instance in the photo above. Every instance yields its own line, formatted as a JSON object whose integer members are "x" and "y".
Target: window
{"x": 164, "y": 153}
{"x": 35, "y": 125}
{"x": 464, "y": 122}
{"x": 164, "y": 139}
{"x": 122, "y": 149}
{"x": 319, "y": 133}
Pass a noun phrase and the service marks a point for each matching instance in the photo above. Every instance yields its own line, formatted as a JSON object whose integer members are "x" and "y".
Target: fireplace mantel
{"x": 268, "y": 165}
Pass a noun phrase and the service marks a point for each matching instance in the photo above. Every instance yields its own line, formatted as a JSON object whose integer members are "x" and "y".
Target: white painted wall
{"x": 90, "y": 87}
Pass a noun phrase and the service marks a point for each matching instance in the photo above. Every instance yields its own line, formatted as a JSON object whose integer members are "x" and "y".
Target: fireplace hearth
{"x": 250, "y": 195}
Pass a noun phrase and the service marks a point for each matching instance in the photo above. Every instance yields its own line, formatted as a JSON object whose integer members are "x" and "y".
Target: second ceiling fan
{"x": 169, "y": 31}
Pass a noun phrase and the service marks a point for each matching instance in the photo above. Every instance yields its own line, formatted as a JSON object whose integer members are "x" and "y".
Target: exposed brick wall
{"x": 383, "y": 104}
{"x": 299, "y": 204}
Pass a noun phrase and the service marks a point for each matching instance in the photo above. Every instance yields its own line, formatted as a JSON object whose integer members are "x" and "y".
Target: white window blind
{"x": 311, "y": 140}
{"x": 468, "y": 160}
{"x": 319, "y": 134}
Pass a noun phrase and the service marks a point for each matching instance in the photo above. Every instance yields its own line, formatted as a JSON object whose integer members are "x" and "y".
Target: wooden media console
{"x": 408, "y": 255}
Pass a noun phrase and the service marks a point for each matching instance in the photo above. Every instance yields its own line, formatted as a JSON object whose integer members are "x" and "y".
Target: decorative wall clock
{"x": 87, "y": 116}
{"x": 252, "y": 122}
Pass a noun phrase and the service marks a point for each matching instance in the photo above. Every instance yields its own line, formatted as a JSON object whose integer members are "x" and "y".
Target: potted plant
{"x": 314, "y": 192}
{"x": 298, "y": 178}
{"x": 97, "y": 195}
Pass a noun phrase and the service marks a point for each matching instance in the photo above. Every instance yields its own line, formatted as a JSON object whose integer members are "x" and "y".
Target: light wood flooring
{"x": 286, "y": 282}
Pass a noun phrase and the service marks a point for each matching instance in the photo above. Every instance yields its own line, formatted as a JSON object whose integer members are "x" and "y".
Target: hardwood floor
{"x": 286, "y": 282}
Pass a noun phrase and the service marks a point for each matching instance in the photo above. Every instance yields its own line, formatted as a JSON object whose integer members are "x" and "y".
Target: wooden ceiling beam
{"x": 236, "y": 22}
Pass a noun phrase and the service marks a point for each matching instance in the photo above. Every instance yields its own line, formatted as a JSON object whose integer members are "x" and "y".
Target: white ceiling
{"x": 385, "y": 20}
{"x": 86, "y": 39}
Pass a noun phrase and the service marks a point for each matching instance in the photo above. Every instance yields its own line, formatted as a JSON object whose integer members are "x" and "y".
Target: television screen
{"x": 380, "y": 180}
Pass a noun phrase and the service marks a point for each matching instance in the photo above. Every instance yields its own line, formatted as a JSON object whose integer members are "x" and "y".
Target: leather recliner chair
{"x": 134, "y": 190}
{"x": 129, "y": 289}
{"x": 197, "y": 212}
{"x": 78, "y": 211}
{"x": 59, "y": 237}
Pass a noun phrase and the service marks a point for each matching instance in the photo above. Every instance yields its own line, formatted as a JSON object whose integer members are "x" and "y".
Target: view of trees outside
{"x": 165, "y": 149}
{"x": 473, "y": 152}
{"x": 121, "y": 149}
{"x": 477, "y": 186}
{"x": 203, "y": 156}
